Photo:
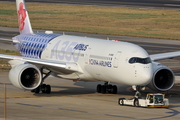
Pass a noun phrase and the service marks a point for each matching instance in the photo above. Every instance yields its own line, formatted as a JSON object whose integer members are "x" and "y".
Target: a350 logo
{"x": 67, "y": 50}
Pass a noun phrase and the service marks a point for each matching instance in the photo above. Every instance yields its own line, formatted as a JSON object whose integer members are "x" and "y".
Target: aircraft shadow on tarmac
{"x": 82, "y": 88}
{"x": 67, "y": 91}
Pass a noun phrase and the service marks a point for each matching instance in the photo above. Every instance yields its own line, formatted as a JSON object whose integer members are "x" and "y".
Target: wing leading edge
{"x": 162, "y": 56}
{"x": 49, "y": 64}
{"x": 4, "y": 39}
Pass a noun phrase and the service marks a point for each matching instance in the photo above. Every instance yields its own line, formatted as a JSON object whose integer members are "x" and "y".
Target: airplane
{"x": 82, "y": 59}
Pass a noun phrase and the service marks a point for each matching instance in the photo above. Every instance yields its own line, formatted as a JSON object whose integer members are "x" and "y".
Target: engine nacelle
{"x": 25, "y": 76}
{"x": 163, "y": 78}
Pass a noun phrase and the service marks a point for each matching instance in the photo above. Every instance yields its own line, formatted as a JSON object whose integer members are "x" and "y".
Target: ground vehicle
{"x": 152, "y": 100}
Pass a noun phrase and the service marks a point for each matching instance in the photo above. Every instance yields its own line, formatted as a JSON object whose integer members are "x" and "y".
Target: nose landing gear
{"x": 137, "y": 90}
{"x": 106, "y": 88}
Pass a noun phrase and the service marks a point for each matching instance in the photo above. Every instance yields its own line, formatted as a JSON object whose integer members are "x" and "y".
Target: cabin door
{"x": 116, "y": 59}
{"x": 87, "y": 54}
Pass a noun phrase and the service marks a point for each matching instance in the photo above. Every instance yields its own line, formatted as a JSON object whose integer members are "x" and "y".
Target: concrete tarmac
{"x": 79, "y": 101}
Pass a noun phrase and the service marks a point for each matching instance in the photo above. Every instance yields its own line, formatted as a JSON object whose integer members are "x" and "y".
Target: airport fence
{"x": 3, "y": 84}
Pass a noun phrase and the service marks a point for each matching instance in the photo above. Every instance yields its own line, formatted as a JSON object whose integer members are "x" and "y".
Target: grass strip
{"x": 151, "y": 23}
{"x": 4, "y": 65}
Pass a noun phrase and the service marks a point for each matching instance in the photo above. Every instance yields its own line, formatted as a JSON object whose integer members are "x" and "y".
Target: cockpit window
{"x": 139, "y": 60}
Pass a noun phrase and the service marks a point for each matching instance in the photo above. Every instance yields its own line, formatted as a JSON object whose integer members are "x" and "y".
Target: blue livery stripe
{"x": 32, "y": 45}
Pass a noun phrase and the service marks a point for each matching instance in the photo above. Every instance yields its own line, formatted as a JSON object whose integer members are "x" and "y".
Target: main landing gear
{"x": 106, "y": 88}
{"x": 43, "y": 87}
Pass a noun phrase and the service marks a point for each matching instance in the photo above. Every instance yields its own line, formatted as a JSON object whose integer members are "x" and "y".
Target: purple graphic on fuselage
{"x": 32, "y": 45}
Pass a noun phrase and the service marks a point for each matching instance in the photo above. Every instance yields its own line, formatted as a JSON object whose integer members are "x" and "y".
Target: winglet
{"x": 23, "y": 18}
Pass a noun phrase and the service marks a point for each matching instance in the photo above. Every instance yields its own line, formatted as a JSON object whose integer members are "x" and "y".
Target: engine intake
{"x": 163, "y": 79}
{"x": 25, "y": 76}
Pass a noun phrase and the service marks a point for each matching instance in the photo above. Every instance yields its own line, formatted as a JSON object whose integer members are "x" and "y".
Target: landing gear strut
{"x": 106, "y": 88}
{"x": 43, "y": 87}
{"x": 137, "y": 89}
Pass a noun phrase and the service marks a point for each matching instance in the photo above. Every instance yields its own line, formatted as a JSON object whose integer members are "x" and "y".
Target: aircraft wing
{"x": 4, "y": 39}
{"x": 161, "y": 56}
{"x": 64, "y": 67}
{"x": 9, "y": 40}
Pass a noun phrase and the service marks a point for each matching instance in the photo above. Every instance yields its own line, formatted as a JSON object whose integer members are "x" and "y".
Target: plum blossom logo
{"x": 21, "y": 16}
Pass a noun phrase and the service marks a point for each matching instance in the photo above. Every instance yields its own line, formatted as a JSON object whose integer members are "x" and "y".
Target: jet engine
{"x": 163, "y": 78}
{"x": 25, "y": 76}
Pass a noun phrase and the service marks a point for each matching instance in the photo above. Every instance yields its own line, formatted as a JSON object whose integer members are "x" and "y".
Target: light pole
{"x": 4, "y": 100}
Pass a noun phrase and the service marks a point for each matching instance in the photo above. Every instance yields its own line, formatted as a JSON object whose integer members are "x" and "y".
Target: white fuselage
{"x": 101, "y": 59}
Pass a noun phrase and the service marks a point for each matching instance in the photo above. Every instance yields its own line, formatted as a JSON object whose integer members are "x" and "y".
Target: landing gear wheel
{"x": 114, "y": 87}
{"x": 99, "y": 88}
{"x": 106, "y": 88}
{"x": 110, "y": 88}
{"x": 103, "y": 89}
{"x": 43, "y": 88}
{"x": 48, "y": 89}
{"x": 37, "y": 90}
{"x": 136, "y": 102}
